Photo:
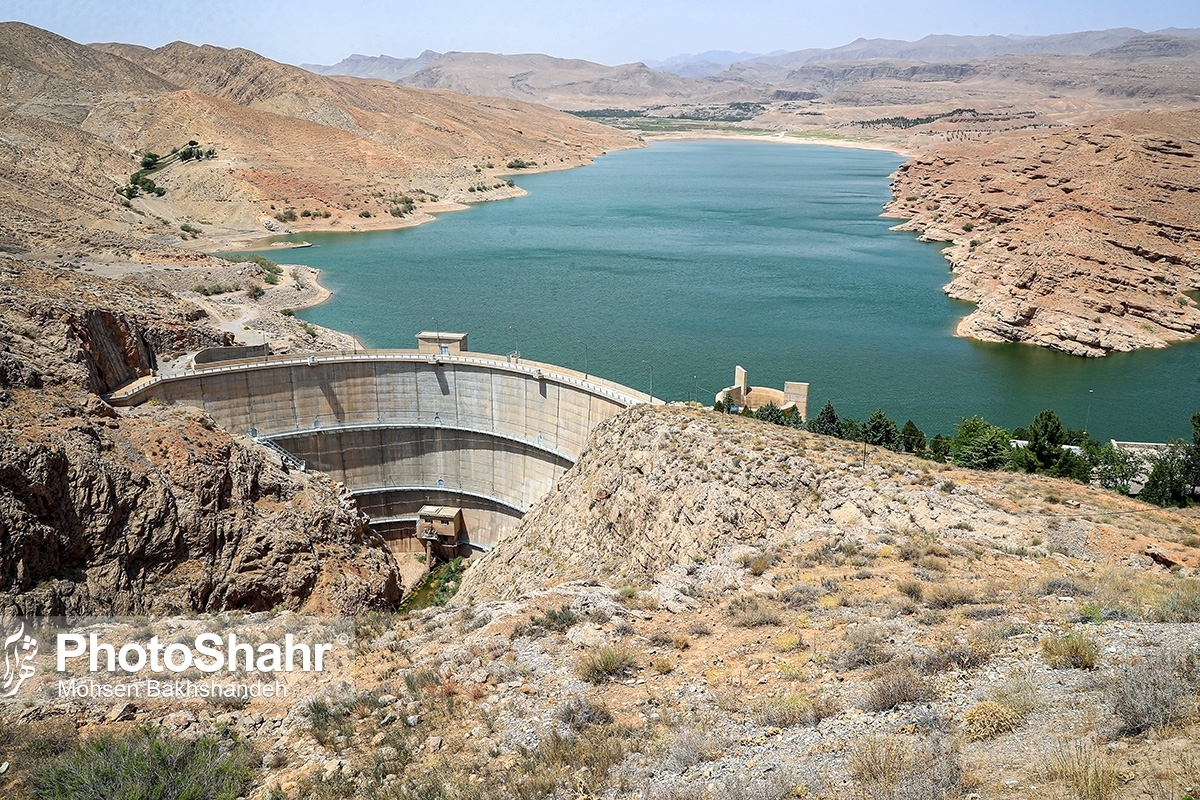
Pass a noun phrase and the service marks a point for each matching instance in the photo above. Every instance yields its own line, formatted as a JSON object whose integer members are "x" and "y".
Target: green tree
{"x": 1167, "y": 484}
{"x": 150, "y": 160}
{"x": 771, "y": 413}
{"x": 978, "y": 444}
{"x": 939, "y": 447}
{"x": 882, "y": 432}
{"x": 1046, "y": 438}
{"x": 852, "y": 429}
{"x": 1115, "y": 469}
{"x": 826, "y": 423}
{"x": 912, "y": 437}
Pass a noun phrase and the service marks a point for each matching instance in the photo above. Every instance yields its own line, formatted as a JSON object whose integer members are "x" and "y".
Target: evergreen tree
{"x": 826, "y": 423}
{"x": 881, "y": 431}
{"x": 939, "y": 447}
{"x": 852, "y": 430}
{"x": 912, "y": 437}
{"x": 1046, "y": 438}
{"x": 771, "y": 413}
{"x": 978, "y": 444}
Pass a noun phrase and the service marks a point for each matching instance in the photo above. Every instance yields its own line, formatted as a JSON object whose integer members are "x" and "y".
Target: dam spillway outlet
{"x": 411, "y": 431}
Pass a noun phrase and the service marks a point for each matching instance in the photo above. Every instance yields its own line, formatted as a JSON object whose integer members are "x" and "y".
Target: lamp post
{"x": 696, "y": 383}
{"x": 647, "y": 363}
{"x": 353, "y": 339}
{"x": 585, "y": 356}
{"x": 1088, "y": 418}
{"x": 517, "y": 341}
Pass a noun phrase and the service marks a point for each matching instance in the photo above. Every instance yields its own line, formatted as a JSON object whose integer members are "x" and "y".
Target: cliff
{"x": 153, "y": 510}
{"x": 1086, "y": 240}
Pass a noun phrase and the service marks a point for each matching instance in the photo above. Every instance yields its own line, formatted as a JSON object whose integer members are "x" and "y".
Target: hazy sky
{"x": 617, "y": 31}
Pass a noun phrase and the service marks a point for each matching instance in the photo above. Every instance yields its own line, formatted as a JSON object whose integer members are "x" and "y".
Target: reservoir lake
{"x": 676, "y": 262}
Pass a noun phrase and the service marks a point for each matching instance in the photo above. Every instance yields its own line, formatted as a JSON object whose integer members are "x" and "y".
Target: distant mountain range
{"x": 1120, "y": 59}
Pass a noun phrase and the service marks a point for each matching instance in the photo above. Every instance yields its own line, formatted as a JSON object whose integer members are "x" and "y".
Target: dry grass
{"x": 1083, "y": 770}
{"x": 604, "y": 663}
{"x": 988, "y": 719}
{"x": 891, "y": 768}
{"x": 1076, "y": 650}
{"x": 948, "y": 595}
{"x": 896, "y": 684}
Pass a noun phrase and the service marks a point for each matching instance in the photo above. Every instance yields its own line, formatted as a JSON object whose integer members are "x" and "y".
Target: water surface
{"x": 686, "y": 258}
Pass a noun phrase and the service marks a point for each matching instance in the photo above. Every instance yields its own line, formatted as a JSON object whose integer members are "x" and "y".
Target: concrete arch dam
{"x": 407, "y": 429}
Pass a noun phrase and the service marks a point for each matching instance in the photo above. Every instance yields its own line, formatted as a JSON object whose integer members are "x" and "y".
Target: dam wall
{"x": 405, "y": 429}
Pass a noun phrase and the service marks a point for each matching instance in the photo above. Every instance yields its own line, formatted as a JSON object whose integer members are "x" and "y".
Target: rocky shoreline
{"x": 1085, "y": 240}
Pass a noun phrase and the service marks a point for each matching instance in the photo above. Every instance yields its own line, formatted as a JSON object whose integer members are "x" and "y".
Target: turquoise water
{"x": 687, "y": 258}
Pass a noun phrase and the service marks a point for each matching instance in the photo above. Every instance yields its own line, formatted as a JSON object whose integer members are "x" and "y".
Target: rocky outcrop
{"x": 1086, "y": 240}
{"x": 163, "y": 514}
{"x": 155, "y": 510}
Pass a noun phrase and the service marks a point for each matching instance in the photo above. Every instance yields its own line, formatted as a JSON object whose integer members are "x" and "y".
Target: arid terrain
{"x": 705, "y": 606}
{"x": 1086, "y": 240}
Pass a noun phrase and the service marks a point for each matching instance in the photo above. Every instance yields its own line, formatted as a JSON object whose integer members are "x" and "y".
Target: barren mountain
{"x": 79, "y": 119}
{"x": 384, "y": 68}
{"x": 1086, "y": 240}
{"x": 576, "y": 84}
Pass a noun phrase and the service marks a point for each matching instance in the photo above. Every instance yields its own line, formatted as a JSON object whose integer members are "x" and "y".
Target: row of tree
{"x": 1170, "y": 476}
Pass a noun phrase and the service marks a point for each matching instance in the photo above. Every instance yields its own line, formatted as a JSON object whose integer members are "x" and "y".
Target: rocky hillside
{"x": 1085, "y": 240}
{"x": 715, "y": 607}
{"x": 152, "y": 510}
{"x": 660, "y": 488}
{"x": 78, "y": 120}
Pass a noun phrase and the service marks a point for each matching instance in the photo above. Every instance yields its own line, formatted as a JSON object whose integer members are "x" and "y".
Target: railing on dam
{"x": 131, "y": 393}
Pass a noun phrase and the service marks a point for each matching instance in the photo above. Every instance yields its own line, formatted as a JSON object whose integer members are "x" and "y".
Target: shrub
{"x": 1076, "y": 650}
{"x": 1149, "y": 694}
{"x": 800, "y": 596}
{"x": 1181, "y": 605}
{"x": 146, "y": 764}
{"x": 603, "y": 663}
{"x": 747, "y": 613}
{"x": 892, "y": 769}
{"x": 690, "y": 746}
{"x": 911, "y": 588}
{"x": 957, "y": 656}
{"x": 558, "y": 620}
{"x": 1063, "y": 587}
{"x": 988, "y": 719}
{"x": 948, "y": 595}
{"x": 364, "y": 214}
{"x": 255, "y": 291}
{"x": 578, "y": 713}
{"x": 865, "y": 646}
{"x": 787, "y": 642}
{"x": 1018, "y": 694}
{"x": 895, "y": 685}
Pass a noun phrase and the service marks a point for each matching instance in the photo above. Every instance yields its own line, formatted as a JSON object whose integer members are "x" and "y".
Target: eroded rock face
{"x": 160, "y": 513}
{"x": 1085, "y": 240}
{"x": 152, "y": 510}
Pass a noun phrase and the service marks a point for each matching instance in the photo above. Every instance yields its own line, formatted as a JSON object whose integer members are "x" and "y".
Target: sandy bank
{"x": 783, "y": 137}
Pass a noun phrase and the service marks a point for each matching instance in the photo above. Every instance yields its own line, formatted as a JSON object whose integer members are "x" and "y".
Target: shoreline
{"x": 246, "y": 240}
{"x": 782, "y": 137}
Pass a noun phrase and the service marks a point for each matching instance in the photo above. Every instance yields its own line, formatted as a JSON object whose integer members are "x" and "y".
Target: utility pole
{"x": 644, "y": 361}
{"x": 585, "y": 356}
